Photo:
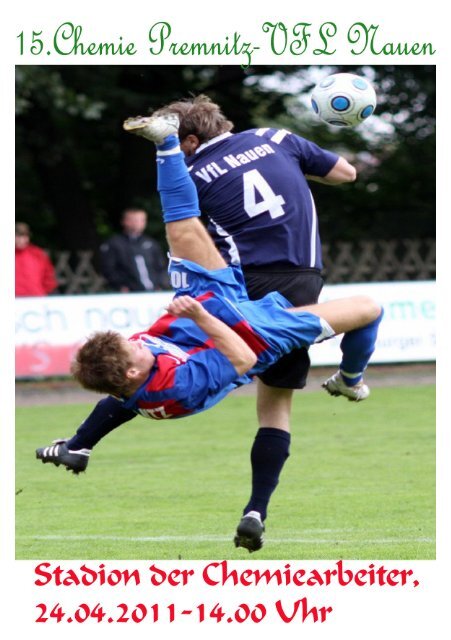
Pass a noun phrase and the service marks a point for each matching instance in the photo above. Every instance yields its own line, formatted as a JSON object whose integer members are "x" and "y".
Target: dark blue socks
{"x": 108, "y": 414}
{"x": 268, "y": 455}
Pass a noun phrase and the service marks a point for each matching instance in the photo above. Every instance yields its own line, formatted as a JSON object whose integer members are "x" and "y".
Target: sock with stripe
{"x": 357, "y": 347}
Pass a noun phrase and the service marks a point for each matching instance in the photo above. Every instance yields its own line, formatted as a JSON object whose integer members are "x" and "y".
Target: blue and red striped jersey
{"x": 190, "y": 375}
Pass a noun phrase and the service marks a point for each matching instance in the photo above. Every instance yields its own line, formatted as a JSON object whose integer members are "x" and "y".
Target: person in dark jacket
{"x": 131, "y": 260}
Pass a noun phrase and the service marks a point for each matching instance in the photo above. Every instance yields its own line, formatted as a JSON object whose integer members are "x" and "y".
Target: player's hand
{"x": 185, "y": 307}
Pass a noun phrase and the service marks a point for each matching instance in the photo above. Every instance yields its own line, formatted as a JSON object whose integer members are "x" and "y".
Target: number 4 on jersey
{"x": 256, "y": 187}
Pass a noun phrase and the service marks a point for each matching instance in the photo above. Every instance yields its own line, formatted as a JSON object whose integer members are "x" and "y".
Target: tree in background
{"x": 76, "y": 168}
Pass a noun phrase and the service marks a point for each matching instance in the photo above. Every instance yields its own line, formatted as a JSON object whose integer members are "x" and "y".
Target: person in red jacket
{"x": 35, "y": 274}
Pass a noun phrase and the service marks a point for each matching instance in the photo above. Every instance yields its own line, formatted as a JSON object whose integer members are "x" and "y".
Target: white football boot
{"x": 153, "y": 128}
{"x": 336, "y": 386}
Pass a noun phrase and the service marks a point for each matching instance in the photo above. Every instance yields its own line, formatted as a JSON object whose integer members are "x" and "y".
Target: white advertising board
{"x": 49, "y": 330}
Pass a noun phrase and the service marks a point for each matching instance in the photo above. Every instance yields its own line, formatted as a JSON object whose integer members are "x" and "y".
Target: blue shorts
{"x": 280, "y": 329}
{"x": 190, "y": 279}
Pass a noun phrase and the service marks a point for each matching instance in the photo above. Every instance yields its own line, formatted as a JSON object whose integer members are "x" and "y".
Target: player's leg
{"x": 269, "y": 453}
{"x": 74, "y": 452}
{"x": 187, "y": 237}
{"x": 345, "y": 314}
{"x": 358, "y": 318}
{"x": 271, "y": 446}
{"x": 275, "y": 388}
{"x": 270, "y": 450}
{"x": 274, "y": 406}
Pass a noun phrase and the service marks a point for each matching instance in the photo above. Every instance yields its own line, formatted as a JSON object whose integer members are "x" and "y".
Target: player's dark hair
{"x": 199, "y": 116}
{"x": 101, "y": 364}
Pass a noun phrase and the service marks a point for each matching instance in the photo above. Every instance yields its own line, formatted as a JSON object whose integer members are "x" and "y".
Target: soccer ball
{"x": 344, "y": 99}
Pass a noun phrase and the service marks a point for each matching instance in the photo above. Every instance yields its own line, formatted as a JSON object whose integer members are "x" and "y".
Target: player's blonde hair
{"x": 199, "y": 116}
{"x": 101, "y": 364}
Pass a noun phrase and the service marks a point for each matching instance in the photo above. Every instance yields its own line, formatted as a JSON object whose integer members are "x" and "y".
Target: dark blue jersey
{"x": 253, "y": 189}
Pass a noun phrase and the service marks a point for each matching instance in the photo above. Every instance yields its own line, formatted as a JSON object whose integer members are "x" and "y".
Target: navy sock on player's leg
{"x": 268, "y": 456}
{"x": 74, "y": 453}
{"x": 108, "y": 414}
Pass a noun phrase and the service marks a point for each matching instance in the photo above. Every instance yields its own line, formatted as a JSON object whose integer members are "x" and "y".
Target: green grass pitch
{"x": 359, "y": 484}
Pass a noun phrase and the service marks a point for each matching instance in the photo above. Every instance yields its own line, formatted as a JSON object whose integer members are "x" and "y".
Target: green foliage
{"x": 77, "y": 169}
{"x": 359, "y": 484}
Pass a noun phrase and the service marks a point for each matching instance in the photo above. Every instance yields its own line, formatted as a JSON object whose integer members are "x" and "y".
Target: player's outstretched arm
{"x": 341, "y": 172}
{"x": 229, "y": 343}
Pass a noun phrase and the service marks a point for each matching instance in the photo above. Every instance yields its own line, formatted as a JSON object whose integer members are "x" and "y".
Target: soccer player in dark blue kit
{"x": 212, "y": 340}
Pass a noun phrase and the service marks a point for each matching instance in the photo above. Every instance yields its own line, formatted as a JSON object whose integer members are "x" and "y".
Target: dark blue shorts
{"x": 300, "y": 287}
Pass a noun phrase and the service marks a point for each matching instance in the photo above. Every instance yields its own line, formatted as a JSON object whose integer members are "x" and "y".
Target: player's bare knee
{"x": 370, "y": 310}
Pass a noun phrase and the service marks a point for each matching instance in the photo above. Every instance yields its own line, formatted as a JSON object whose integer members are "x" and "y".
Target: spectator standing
{"x": 131, "y": 260}
{"x": 35, "y": 274}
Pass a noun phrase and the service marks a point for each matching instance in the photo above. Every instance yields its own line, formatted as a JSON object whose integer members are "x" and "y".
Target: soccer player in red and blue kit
{"x": 213, "y": 338}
